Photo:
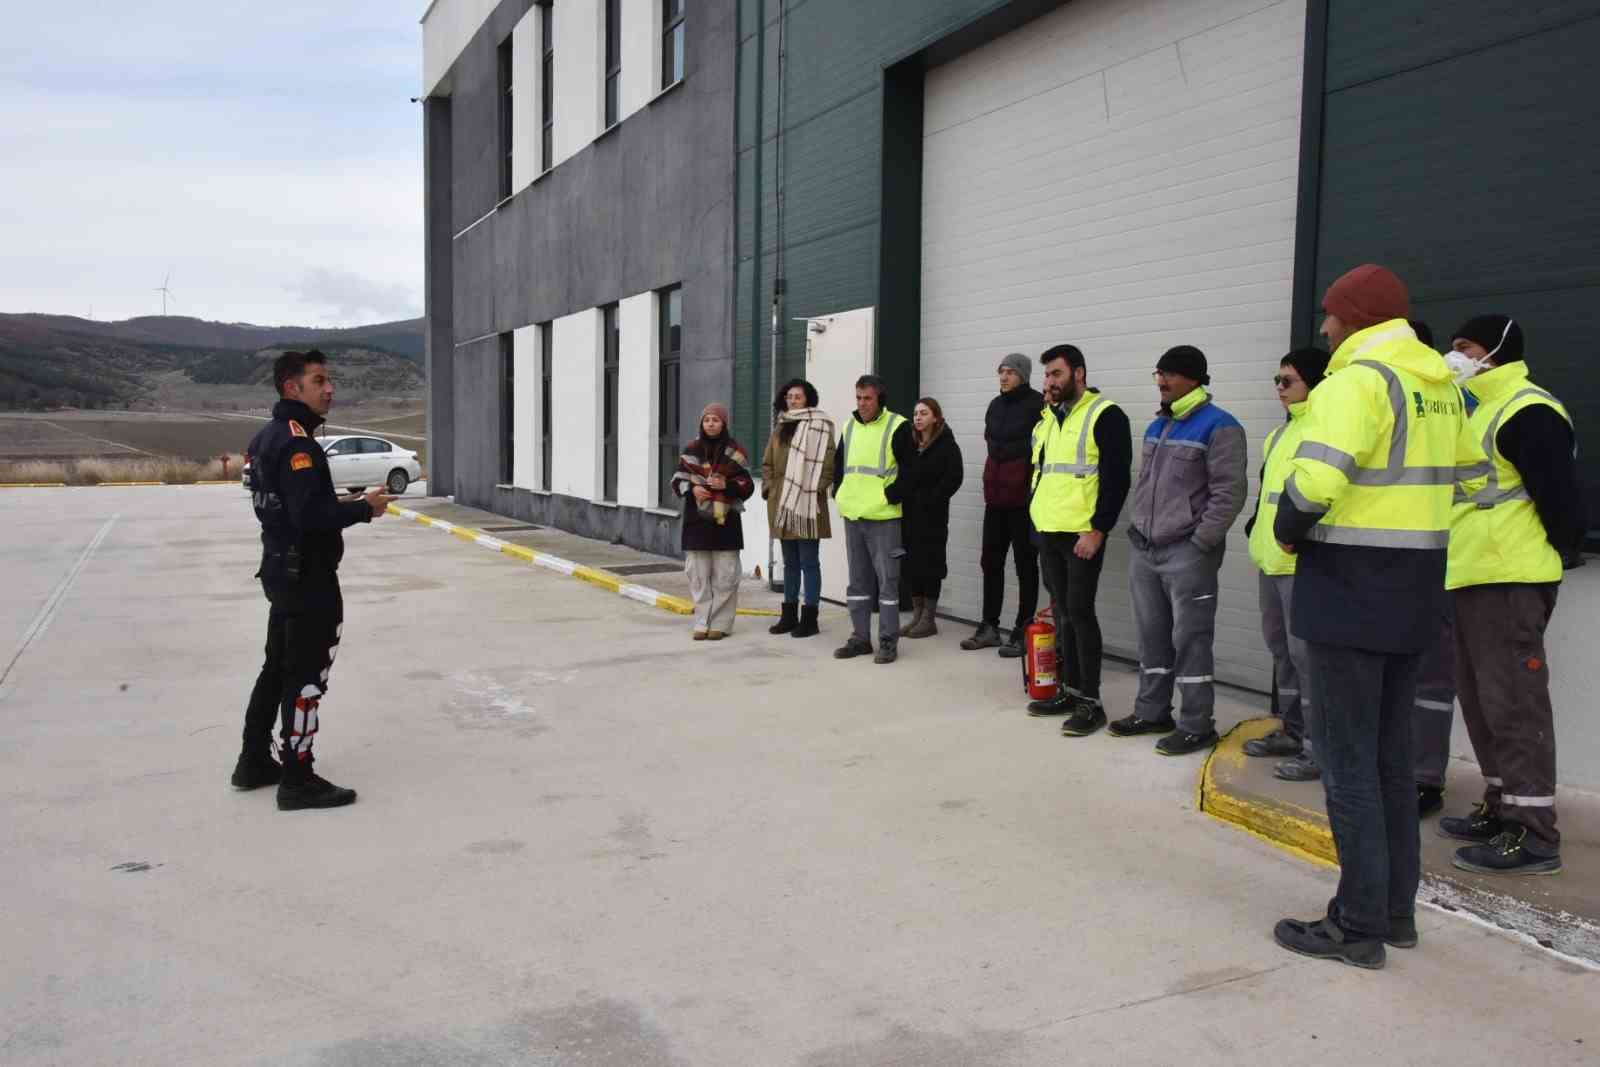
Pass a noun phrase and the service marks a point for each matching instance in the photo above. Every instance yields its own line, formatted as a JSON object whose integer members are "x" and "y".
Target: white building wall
{"x": 575, "y": 405}
{"x": 641, "y": 53}
{"x": 527, "y": 54}
{"x": 579, "y": 76}
{"x": 447, "y": 29}
{"x": 526, "y": 430}
{"x": 638, "y": 406}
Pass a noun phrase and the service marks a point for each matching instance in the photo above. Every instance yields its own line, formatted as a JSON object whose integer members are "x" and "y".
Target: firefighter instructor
{"x": 1366, "y": 507}
{"x": 302, "y": 520}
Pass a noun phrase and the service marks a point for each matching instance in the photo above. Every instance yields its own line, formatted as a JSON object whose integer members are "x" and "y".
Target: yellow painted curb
{"x": 1282, "y": 825}
{"x": 33, "y": 485}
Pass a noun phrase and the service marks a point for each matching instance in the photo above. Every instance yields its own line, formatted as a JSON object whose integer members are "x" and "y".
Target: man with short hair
{"x": 1082, "y": 458}
{"x": 1509, "y": 543}
{"x": 1008, "y": 432}
{"x": 875, "y": 446}
{"x": 302, "y": 542}
{"x": 1191, "y": 487}
{"x": 1366, "y": 511}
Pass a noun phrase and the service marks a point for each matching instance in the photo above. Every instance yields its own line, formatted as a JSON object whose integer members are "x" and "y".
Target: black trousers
{"x": 1073, "y": 583}
{"x": 1009, "y": 529}
{"x": 304, "y": 626}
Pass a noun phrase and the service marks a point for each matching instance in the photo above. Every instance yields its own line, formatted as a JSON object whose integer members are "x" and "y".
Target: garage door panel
{"x": 1124, "y": 176}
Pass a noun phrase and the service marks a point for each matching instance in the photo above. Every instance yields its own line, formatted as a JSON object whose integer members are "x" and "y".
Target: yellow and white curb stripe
{"x": 611, "y": 583}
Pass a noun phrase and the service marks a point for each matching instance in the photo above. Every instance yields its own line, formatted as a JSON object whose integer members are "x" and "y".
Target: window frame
{"x": 611, "y": 88}
{"x": 508, "y": 409}
{"x": 673, "y": 43}
{"x": 610, "y": 399}
{"x": 547, "y": 86}
{"x": 669, "y": 395}
{"x": 504, "y": 60}
{"x": 546, "y": 406}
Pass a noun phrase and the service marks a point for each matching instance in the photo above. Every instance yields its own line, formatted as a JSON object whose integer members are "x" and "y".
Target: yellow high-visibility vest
{"x": 1066, "y": 466}
{"x": 1495, "y": 532}
{"x": 869, "y": 468}
{"x": 1277, "y": 460}
{"x": 1385, "y": 440}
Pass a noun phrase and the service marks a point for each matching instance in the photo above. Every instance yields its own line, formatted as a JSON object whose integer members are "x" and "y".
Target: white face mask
{"x": 1463, "y": 366}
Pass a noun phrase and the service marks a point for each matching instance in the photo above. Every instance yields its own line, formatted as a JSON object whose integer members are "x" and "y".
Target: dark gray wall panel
{"x": 439, "y": 295}
{"x": 477, "y": 403}
{"x": 474, "y": 82}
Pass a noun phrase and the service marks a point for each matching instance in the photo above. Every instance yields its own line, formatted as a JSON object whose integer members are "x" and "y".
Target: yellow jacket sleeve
{"x": 1348, "y": 417}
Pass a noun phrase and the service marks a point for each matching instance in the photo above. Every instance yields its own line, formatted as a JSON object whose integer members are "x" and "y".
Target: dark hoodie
{"x": 1008, "y": 431}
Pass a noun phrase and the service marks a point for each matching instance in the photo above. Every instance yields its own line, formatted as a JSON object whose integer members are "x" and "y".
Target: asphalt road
{"x": 583, "y": 839}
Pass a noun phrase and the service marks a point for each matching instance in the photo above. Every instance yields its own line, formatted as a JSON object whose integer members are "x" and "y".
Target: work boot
{"x": 1133, "y": 726}
{"x": 1506, "y": 854}
{"x": 852, "y": 648}
{"x": 1063, "y": 703}
{"x": 303, "y": 788}
{"x": 1277, "y": 743}
{"x": 254, "y": 770}
{"x": 1478, "y": 826}
{"x": 1012, "y": 649}
{"x": 807, "y": 626}
{"x": 1324, "y": 939}
{"x": 986, "y": 637}
{"x": 1085, "y": 719}
{"x": 888, "y": 652}
{"x": 1430, "y": 798}
{"x": 1183, "y": 742}
{"x": 925, "y": 624}
{"x": 1301, "y": 768}
{"x": 787, "y": 621}
{"x": 919, "y": 608}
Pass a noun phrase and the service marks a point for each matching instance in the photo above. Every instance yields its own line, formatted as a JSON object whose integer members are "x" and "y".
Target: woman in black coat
{"x": 933, "y": 478}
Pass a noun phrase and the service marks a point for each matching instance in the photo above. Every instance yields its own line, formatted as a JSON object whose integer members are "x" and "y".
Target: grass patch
{"x": 108, "y": 471}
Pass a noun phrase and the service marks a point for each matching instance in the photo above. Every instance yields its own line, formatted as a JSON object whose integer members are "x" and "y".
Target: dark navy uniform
{"x": 302, "y": 542}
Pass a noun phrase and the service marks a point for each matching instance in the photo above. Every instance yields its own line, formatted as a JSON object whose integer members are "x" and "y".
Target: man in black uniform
{"x": 302, "y": 520}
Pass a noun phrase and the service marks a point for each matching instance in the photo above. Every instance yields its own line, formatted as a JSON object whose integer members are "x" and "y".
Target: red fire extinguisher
{"x": 1039, "y": 656}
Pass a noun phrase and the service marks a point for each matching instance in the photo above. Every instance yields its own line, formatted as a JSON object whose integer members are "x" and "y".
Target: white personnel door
{"x": 1121, "y": 175}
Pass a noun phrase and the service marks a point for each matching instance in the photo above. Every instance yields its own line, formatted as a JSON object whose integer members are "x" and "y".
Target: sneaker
{"x": 1085, "y": 719}
{"x": 1133, "y": 726}
{"x": 1478, "y": 827}
{"x": 1183, "y": 742}
{"x": 1505, "y": 855}
{"x": 1324, "y": 940}
{"x": 1402, "y": 932}
{"x": 1277, "y": 743}
{"x": 888, "y": 652}
{"x": 1301, "y": 768}
{"x": 1063, "y": 703}
{"x": 311, "y": 790}
{"x": 986, "y": 637}
{"x": 853, "y": 648}
{"x": 1430, "y": 798}
{"x": 255, "y": 771}
{"x": 1012, "y": 649}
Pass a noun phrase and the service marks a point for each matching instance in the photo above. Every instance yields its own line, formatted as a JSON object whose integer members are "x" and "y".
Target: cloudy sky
{"x": 267, "y": 154}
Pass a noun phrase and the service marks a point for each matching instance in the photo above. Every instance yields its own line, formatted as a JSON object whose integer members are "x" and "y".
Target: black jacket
{"x": 294, "y": 498}
{"x": 1538, "y": 442}
{"x": 1008, "y": 433}
{"x": 926, "y": 487}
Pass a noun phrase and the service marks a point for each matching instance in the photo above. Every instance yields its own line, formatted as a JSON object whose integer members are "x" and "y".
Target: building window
{"x": 504, "y": 57}
{"x": 670, "y": 440}
{"x": 546, "y": 422}
{"x": 612, "y": 338}
{"x": 547, "y": 86}
{"x": 671, "y": 42}
{"x": 613, "y": 61}
{"x": 508, "y": 409}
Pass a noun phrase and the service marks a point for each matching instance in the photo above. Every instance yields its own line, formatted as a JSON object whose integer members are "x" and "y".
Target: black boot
{"x": 787, "y": 622}
{"x": 807, "y": 626}
{"x": 256, "y": 769}
{"x": 302, "y": 787}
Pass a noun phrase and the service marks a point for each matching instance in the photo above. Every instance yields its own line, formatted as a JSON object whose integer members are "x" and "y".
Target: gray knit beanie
{"x": 1019, "y": 363}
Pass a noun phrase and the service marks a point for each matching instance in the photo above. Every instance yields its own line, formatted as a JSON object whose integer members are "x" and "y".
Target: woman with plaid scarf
{"x": 713, "y": 478}
{"x": 796, "y": 472}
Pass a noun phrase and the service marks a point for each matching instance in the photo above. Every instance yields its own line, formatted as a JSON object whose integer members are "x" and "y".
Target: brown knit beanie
{"x": 1366, "y": 296}
{"x": 721, "y": 412}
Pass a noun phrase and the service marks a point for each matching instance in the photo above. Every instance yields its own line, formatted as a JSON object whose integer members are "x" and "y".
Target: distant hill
{"x": 59, "y": 360}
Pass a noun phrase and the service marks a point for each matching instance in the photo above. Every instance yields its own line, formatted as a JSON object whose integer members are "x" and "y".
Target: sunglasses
{"x": 1284, "y": 381}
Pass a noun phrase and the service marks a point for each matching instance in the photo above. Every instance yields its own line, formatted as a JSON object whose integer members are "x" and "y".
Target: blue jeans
{"x": 800, "y": 560}
{"x": 1365, "y": 703}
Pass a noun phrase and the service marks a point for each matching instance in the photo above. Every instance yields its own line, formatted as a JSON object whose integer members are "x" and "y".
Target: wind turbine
{"x": 165, "y": 293}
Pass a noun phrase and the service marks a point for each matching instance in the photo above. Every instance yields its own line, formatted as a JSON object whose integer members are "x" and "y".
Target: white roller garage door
{"x": 1122, "y": 176}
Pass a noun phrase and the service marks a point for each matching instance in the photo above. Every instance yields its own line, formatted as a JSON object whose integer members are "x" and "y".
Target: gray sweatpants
{"x": 1435, "y": 705}
{"x": 1290, "y": 666}
{"x": 874, "y": 550}
{"x": 1175, "y": 609}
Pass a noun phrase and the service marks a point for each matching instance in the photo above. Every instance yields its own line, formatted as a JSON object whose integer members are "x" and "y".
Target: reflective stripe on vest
{"x": 1492, "y": 494}
{"x": 1065, "y": 495}
{"x": 883, "y": 468}
{"x": 861, "y": 491}
{"x": 1083, "y": 468}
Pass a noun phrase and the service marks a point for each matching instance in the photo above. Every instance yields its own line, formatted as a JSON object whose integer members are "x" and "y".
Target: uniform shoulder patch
{"x": 297, "y": 430}
{"x": 300, "y": 461}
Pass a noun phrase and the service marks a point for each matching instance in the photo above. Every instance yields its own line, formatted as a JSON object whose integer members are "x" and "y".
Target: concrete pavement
{"x": 583, "y": 839}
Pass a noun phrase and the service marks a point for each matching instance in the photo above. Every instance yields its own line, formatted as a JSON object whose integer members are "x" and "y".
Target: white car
{"x": 358, "y": 461}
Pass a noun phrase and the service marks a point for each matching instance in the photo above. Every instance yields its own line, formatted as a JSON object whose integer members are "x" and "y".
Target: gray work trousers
{"x": 1435, "y": 710}
{"x": 874, "y": 550}
{"x": 1174, "y": 591}
{"x": 1291, "y": 668}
